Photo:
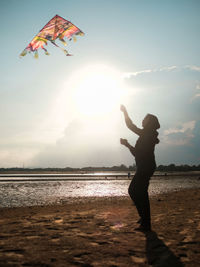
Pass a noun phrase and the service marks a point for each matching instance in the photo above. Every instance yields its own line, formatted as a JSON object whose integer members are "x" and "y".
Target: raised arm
{"x": 126, "y": 144}
{"x": 129, "y": 122}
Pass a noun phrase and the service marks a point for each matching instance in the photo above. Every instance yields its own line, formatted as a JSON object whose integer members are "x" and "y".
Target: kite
{"x": 56, "y": 28}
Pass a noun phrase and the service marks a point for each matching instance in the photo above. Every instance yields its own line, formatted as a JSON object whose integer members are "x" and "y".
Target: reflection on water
{"x": 30, "y": 193}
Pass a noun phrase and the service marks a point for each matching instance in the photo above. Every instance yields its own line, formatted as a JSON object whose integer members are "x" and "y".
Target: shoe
{"x": 143, "y": 228}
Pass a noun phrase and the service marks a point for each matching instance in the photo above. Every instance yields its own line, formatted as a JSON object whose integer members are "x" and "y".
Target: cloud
{"x": 197, "y": 94}
{"x": 163, "y": 69}
{"x": 192, "y": 67}
{"x": 180, "y": 147}
{"x": 57, "y": 142}
{"x": 16, "y": 156}
{"x": 129, "y": 74}
{"x": 84, "y": 143}
{"x": 179, "y": 135}
{"x": 181, "y": 128}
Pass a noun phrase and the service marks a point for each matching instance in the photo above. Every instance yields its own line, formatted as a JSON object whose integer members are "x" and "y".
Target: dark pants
{"x": 138, "y": 191}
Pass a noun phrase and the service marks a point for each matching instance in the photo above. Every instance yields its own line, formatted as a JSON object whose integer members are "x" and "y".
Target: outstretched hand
{"x": 124, "y": 142}
{"x": 123, "y": 108}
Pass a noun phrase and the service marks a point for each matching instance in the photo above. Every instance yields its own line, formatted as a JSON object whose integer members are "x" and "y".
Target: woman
{"x": 145, "y": 163}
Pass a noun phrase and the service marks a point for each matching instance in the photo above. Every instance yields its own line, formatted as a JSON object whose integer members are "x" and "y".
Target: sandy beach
{"x": 102, "y": 232}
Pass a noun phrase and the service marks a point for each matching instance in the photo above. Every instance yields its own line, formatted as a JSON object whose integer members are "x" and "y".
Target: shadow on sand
{"x": 158, "y": 254}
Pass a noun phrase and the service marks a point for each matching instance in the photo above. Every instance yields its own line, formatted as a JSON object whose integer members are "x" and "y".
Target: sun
{"x": 91, "y": 95}
{"x": 97, "y": 90}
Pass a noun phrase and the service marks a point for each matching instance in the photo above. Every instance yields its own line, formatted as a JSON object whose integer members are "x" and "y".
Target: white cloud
{"x": 129, "y": 74}
{"x": 17, "y": 156}
{"x": 170, "y": 68}
{"x": 182, "y": 128}
{"x": 193, "y": 67}
{"x": 197, "y": 94}
{"x": 179, "y": 135}
{"x": 84, "y": 143}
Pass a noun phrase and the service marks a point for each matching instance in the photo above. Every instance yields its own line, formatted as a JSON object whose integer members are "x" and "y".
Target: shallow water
{"x": 31, "y": 193}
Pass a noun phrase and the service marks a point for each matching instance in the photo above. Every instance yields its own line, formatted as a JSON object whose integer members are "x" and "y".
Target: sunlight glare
{"x": 98, "y": 90}
{"x": 91, "y": 95}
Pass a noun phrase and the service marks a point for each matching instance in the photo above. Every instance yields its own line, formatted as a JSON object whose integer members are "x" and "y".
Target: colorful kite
{"x": 57, "y": 27}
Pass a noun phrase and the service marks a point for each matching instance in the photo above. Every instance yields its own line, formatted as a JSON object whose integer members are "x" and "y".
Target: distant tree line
{"x": 179, "y": 168}
{"x": 122, "y": 167}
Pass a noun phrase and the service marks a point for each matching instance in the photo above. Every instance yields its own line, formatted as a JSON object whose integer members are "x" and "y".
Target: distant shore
{"x": 162, "y": 170}
{"x": 10, "y": 173}
{"x": 101, "y": 233}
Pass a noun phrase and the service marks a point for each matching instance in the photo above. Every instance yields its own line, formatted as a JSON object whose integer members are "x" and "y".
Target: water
{"x": 33, "y": 192}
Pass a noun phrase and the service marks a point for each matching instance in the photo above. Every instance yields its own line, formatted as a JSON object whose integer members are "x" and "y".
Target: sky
{"x": 59, "y": 111}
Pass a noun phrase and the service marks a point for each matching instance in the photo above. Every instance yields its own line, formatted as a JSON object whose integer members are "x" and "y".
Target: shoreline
{"x": 101, "y": 233}
{"x": 70, "y": 202}
{"x": 32, "y": 193}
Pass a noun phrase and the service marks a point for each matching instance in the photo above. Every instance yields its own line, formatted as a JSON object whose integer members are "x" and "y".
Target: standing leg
{"x": 138, "y": 191}
{"x": 133, "y": 192}
{"x": 145, "y": 209}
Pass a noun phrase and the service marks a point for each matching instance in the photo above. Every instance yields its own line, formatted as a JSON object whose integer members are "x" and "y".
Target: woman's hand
{"x": 122, "y": 108}
{"x": 124, "y": 142}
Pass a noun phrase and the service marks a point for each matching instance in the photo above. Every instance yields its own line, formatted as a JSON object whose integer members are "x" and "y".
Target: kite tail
{"x": 46, "y": 52}
{"x": 64, "y": 50}
{"x": 36, "y": 54}
{"x": 23, "y": 53}
{"x": 63, "y": 41}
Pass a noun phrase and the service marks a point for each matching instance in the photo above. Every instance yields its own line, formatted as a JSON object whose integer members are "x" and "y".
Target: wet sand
{"x": 102, "y": 232}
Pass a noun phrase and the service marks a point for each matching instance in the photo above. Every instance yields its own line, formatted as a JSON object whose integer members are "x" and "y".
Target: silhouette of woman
{"x": 145, "y": 163}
